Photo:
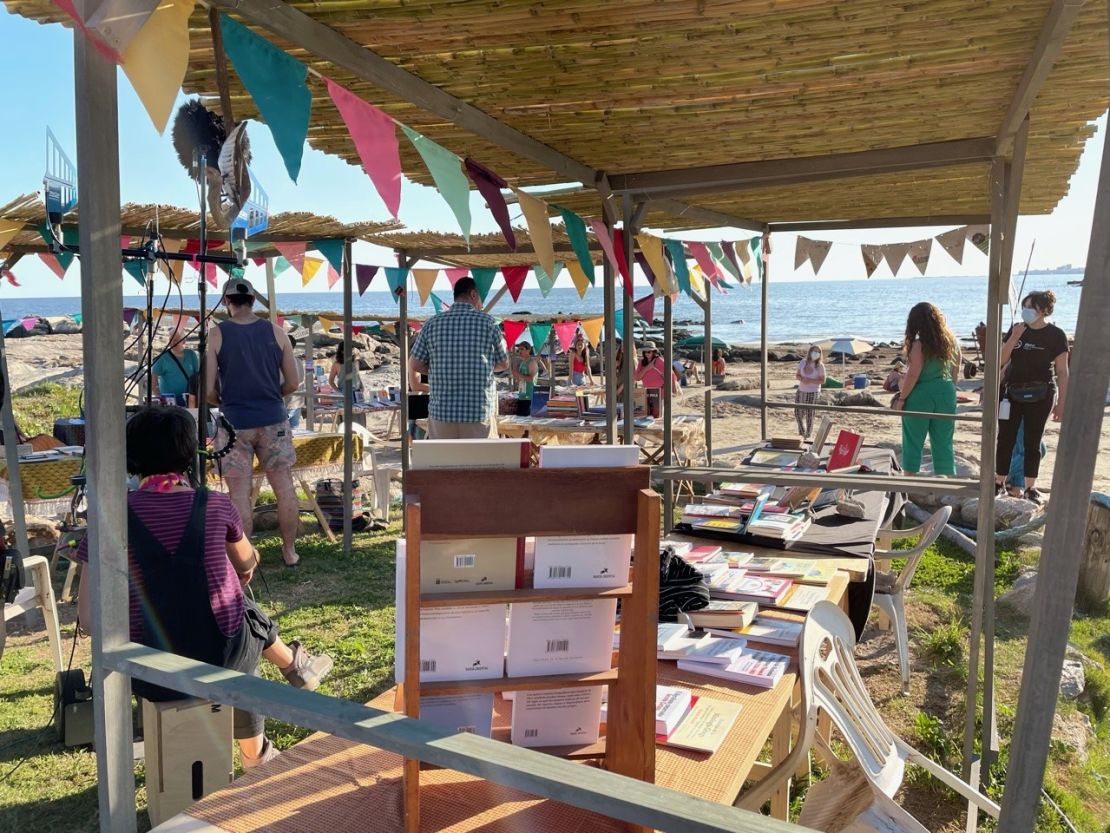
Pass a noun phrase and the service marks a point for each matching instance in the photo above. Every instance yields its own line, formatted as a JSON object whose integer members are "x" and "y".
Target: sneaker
{"x": 1034, "y": 495}
{"x": 269, "y": 752}
{"x": 307, "y": 670}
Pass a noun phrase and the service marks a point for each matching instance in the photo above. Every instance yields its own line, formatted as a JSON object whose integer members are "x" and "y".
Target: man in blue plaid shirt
{"x": 460, "y": 350}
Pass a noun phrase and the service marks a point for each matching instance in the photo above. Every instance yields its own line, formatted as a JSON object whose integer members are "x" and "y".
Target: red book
{"x": 844, "y": 453}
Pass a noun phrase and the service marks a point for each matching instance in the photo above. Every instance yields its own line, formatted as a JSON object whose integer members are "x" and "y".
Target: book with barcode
{"x": 467, "y": 564}
{"x": 562, "y": 637}
{"x": 754, "y": 667}
{"x": 556, "y": 717}
{"x": 802, "y": 570}
{"x": 471, "y": 713}
{"x": 751, "y": 587}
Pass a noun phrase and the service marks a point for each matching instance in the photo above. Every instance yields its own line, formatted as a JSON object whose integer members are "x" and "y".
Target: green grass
{"x": 37, "y": 408}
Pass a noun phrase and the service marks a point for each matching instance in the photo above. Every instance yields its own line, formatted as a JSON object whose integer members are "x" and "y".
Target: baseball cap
{"x": 239, "y": 287}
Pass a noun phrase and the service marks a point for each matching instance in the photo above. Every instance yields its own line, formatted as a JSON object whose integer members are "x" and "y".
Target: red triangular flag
{"x": 363, "y": 275}
{"x": 514, "y": 279}
{"x": 454, "y": 275}
{"x": 54, "y": 264}
{"x": 513, "y": 329}
{"x": 646, "y": 307}
{"x": 705, "y": 260}
{"x": 10, "y": 275}
{"x": 210, "y": 274}
{"x": 565, "y": 331}
{"x": 622, "y": 263}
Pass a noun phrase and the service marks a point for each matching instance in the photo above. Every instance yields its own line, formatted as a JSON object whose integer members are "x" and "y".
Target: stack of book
{"x": 785, "y": 526}
{"x": 739, "y": 585}
{"x": 751, "y": 666}
{"x": 689, "y": 722}
{"x": 563, "y": 407}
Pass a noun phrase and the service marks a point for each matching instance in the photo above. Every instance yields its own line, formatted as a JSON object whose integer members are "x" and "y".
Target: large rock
{"x": 738, "y": 384}
{"x": 1008, "y": 511}
{"x": 1072, "y": 679}
{"x": 1074, "y": 731}
{"x": 1019, "y": 597}
{"x": 857, "y": 398}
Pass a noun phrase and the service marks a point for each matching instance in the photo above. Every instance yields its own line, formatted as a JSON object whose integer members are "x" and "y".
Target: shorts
{"x": 578, "y": 377}
{"x": 271, "y": 444}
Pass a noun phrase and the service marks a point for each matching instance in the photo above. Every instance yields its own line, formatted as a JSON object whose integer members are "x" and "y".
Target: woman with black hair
{"x": 337, "y": 365}
{"x": 188, "y": 561}
{"x": 1036, "y": 386}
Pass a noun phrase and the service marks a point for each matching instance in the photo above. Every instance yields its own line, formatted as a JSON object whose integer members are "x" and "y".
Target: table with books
{"x": 687, "y": 433}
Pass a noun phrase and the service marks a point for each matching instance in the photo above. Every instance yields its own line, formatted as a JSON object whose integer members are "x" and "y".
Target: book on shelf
{"x": 764, "y": 590}
{"x": 731, "y": 525}
{"x": 803, "y": 597}
{"x": 773, "y": 631}
{"x": 739, "y": 559}
{"x": 466, "y": 564}
{"x": 471, "y": 713}
{"x": 680, "y": 647}
{"x": 443, "y": 656}
{"x": 709, "y": 510}
{"x": 724, "y": 613}
{"x": 712, "y": 571}
{"x": 785, "y": 527}
{"x": 704, "y": 727}
{"x": 560, "y": 637}
{"x": 671, "y": 705}
{"x": 556, "y": 717}
{"x": 754, "y": 667}
{"x": 845, "y": 451}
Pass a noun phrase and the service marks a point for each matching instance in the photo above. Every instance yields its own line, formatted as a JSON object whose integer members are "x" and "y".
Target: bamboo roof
{"x": 183, "y": 224}
{"x": 646, "y": 85}
{"x": 484, "y": 250}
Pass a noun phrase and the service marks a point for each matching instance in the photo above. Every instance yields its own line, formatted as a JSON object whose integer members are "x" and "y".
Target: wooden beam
{"x": 222, "y": 85}
{"x": 629, "y": 336}
{"x": 675, "y": 208}
{"x": 1015, "y": 172}
{"x": 1050, "y": 42}
{"x": 885, "y": 222}
{"x": 296, "y": 27}
{"x": 743, "y": 175}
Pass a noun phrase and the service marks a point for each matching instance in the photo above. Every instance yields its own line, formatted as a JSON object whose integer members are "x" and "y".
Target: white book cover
{"x": 565, "y": 637}
{"x": 679, "y": 648}
{"x": 804, "y": 597}
{"x": 679, "y": 547}
{"x": 671, "y": 705}
{"x": 758, "y": 668}
{"x": 471, "y": 713}
{"x": 588, "y": 456}
{"x": 582, "y": 561}
{"x": 468, "y": 454}
{"x": 557, "y": 717}
{"x": 773, "y": 631}
{"x": 715, "y": 650}
{"x": 667, "y": 635}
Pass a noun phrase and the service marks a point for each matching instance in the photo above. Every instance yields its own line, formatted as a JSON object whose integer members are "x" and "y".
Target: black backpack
{"x": 681, "y": 587}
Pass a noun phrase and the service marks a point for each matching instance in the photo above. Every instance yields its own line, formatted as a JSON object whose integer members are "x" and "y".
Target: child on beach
{"x": 653, "y": 372}
{"x": 930, "y": 386}
{"x": 810, "y": 376}
{"x": 580, "y": 362}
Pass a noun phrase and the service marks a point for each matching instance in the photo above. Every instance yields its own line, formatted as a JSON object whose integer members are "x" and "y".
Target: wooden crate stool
{"x": 188, "y": 753}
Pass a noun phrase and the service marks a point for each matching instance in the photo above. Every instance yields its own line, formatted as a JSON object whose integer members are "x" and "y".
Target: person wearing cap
{"x": 525, "y": 370}
{"x": 652, "y": 372}
{"x": 253, "y": 361}
{"x": 460, "y": 350}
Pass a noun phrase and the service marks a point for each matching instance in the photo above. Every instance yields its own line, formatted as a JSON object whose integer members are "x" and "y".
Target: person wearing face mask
{"x": 810, "y": 376}
{"x": 1036, "y": 385}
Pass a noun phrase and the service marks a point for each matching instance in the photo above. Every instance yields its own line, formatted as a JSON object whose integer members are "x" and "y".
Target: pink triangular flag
{"x": 514, "y": 279}
{"x": 210, "y": 274}
{"x": 705, "y": 260}
{"x": 333, "y": 276}
{"x": 513, "y": 329}
{"x": 565, "y": 331}
{"x": 456, "y": 274}
{"x": 363, "y": 275}
{"x": 606, "y": 242}
{"x": 280, "y": 321}
{"x": 646, "y": 307}
{"x": 53, "y": 263}
{"x": 294, "y": 253}
{"x": 375, "y": 138}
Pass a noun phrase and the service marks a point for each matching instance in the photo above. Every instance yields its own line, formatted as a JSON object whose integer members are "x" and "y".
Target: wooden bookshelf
{"x": 443, "y": 504}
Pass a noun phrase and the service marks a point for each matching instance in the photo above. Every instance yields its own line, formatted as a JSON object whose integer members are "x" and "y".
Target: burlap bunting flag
{"x": 872, "y": 257}
{"x": 424, "y": 279}
{"x": 953, "y": 243}
{"x": 894, "y": 254}
{"x": 919, "y": 253}
{"x": 980, "y": 237}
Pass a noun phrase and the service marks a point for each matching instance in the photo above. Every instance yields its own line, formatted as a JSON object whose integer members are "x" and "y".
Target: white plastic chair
{"x": 40, "y": 594}
{"x": 890, "y": 588}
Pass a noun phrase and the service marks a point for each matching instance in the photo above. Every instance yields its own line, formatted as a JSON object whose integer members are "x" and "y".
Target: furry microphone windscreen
{"x": 197, "y": 132}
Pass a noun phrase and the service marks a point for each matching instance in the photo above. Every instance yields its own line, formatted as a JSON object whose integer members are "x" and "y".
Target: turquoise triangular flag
{"x": 447, "y": 173}
{"x": 576, "y": 230}
{"x": 484, "y": 279}
{"x": 396, "y": 276}
{"x": 78, "y": 317}
{"x": 68, "y": 238}
{"x": 276, "y": 82}
{"x": 280, "y": 265}
{"x": 332, "y": 250}
{"x": 756, "y": 245}
{"x": 618, "y": 323}
{"x": 539, "y": 330}
{"x": 8, "y": 324}
{"x": 545, "y": 280}
{"x": 437, "y": 302}
{"x": 678, "y": 260}
{"x": 137, "y": 270}
{"x": 719, "y": 256}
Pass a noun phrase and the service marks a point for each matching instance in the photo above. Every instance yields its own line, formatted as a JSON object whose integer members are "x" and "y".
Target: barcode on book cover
{"x": 465, "y": 561}
{"x": 531, "y": 733}
{"x": 428, "y": 665}
{"x": 558, "y": 572}
{"x": 558, "y": 646}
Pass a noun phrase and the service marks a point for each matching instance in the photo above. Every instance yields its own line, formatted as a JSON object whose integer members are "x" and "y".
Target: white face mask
{"x": 1029, "y": 315}
{"x": 814, "y": 354}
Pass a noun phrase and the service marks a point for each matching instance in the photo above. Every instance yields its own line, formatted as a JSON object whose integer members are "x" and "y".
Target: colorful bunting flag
{"x": 29, "y": 323}
{"x": 872, "y": 257}
{"x": 292, "y": 252}
{"x": 54, "y": 264}
{"x": 9, "y": 275}
{"x": 129, "y": 316}
{"x": 325, "y": 324}
{"x": 540, "y": 332}
{"x": 919, "y": 254}
{"x": 513, "y": 330}
{"x": 618, "y": 322}
{"x": 622, "y": 261}
{"x": 953, "y": 243}
{"x": 447, "y": 175}
{"x": 68, "y": 239}
{"x": 172, "y": 270}
{"x": 375, "y": 138}
{"x": 363, "y": 275}
{"x": 333, "y": 276}
{"x": 678, "y": 262}
{"x": 730, "y": 262}
{"x": 697, "y": 284}
{"x": 718, "y": 255}
{"x": 156, "y": 59}
{"x": 311, "y": 267}
{"x": 489, "y": 185}
{"x": 137, "y": 270}
{"x": 9, "y": 324}
{"x": 276, "y": 82}
{"x": 514, "y": 279}
{"x": 483, "y": 278}
{"x": 591, "y": 328}
{"x": 646, "y": 307}
{"x": 980, "y": 237}
{"x": 641, "y": 261}
{"x": 396, "y": 276}
{"x": 894, "y": 254}
{"x": 703, "y": 258}
{"x": 565, "y": 331}
{"x": 425, "y": 279}
{"x": 575, "y": 228}
{"x": 539, "y": 229}
{"x": 582, "y": 280}
{"x": 545, "y": 280}
{"x": 280, "y": 265}
{"x": 94, "y": 37}
{"x": 456, "y": 274}
{"x": 438, "y": 303}
{"x": 602, "y": 235}
{"x": 210, "y": 274}
{"x": 332, "y": 250}
{"x": 652, "y": 248}
{"x": 814, "y": 251}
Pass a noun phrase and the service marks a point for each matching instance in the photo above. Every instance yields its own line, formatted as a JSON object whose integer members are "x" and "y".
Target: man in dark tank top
{"x": 253, "y": 360}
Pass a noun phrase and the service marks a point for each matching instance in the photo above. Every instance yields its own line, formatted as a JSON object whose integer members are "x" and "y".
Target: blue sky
{"x": 38, "y": 61}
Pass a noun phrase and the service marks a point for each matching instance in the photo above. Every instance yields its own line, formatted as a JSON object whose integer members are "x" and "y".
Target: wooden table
{"x": 329, "y": 784}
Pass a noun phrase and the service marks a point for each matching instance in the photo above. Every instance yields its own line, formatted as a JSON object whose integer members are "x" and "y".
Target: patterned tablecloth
{"x": 45, "y": 479}
{"x": 317, "y": 454}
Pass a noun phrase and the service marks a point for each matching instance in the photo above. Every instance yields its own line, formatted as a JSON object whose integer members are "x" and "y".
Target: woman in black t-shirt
{"x": 1034, "y": 350}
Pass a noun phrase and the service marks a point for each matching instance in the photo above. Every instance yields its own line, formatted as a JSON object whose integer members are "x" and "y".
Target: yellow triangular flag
{"x": 425, "y": 279}
{"x": 156, "y": 59}
{"x": 581, "y": 282}
{"x": 165, "y": 266}
{"x": 325, "y": 323}
{"x": 311, "y": 267}
{"x": 592, "y": 328}
{"x": 539, "y": 229}
{"x": 652, "y": 247}
{"x": 697, "y": 282}
{"x": 8, "y": 230}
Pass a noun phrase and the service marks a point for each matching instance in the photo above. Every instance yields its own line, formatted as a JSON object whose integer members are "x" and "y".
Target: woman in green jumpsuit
{"x": 930, "y": 387}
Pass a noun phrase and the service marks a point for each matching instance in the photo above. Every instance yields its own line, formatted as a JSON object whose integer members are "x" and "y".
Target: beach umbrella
{"x": 846, "y": 346}
{"x": 699, "y": 341}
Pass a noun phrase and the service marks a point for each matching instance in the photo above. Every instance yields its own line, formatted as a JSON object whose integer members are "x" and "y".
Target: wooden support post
{"x": 707, "y": 358}
{"x": 1094, "y": 572}
{"x": 1061, "y": 553}
{"x": 222, "y": 85}
{"x": 403, "y": 346}
{"x": 97, "y": 121}
{"x": 629, "y": 376}
{"x": 764, "y": 280}
{"x": 271, "y": 290}
{"x": 668, "y": 410}
{"x": 608, "y": 278}
{"x": 11, "y": 456}
{"x": 310, "y": 374}
{"x": 350, "y": 373}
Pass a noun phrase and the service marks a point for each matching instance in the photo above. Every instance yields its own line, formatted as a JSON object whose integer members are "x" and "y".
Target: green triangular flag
{"x": 484, "y": 279}
{"x": 280, "y": 265}
{"x": 719, "y": 256}
{"x": 545, "y": 280}
{"x": 332, "y": 250}
{"x": 756, "y": 246}
{"x": 539, "y": 330}
{"x": 618, "y": 323}
{"x": 447, "y": 173}
{"x": 137, "y": 270}
{"x": 678, "y": 260}
{"x": 437, "y": 302}
{"x": 69, "y": 238}
{"x": 396, "y": 276}
{"x": 576, "y": 230}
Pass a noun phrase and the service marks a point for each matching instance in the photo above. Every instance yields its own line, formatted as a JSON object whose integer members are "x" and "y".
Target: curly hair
{"x": 926, "y": 324}
{"x": 1044, "y": 301}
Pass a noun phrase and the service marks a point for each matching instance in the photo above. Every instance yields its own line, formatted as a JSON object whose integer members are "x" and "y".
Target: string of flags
{"x": 894, "y": 255}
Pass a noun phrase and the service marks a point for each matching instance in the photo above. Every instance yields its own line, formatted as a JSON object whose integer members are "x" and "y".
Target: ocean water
{"x": 798, "y": 310}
